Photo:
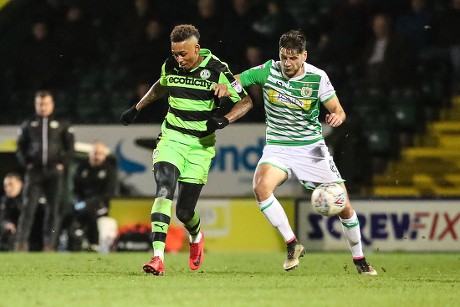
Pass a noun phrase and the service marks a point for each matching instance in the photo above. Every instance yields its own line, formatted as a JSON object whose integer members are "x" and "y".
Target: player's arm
{"x": 240, "y": 109}
{"x": 336, "y": 114}
{"x": 230, "y": 87}
{"x": 221, "y": 90}
{"x": 257, "y": 75}
{"x": 155, "y": 92}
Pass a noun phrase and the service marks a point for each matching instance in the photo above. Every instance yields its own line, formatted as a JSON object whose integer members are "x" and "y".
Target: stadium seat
{"x": 90, "y": 107}
{"x": 64, "y": 103}
{"x": 405, "y": 112}
{"x": 396, "y": 191}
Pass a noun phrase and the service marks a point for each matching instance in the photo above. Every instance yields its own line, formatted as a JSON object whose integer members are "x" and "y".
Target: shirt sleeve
{"x": 163, "y": 76}
{"x": 257, "y": 75}
{"x": 235, "y": 89}
{"x": 326, "y": 90}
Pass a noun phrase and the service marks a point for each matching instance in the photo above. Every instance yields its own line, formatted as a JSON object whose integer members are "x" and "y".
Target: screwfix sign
{"x": 386, "y": 225}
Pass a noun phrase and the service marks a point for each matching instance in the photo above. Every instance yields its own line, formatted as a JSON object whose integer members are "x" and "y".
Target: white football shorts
{"x": 311, "y": 164}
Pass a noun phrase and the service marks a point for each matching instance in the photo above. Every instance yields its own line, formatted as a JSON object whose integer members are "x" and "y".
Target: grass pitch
{"x": 228, "y": 279}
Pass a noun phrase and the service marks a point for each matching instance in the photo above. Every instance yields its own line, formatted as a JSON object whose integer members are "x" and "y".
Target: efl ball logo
{"x": 329, "y": 199}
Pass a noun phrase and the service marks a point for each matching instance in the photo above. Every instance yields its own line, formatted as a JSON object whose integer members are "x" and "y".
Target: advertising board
{"x": 386, "y": 225}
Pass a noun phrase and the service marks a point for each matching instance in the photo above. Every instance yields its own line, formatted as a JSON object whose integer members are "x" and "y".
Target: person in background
{"x": 187, "y": 144}
{"x": 10, "y": 208}
{"x": 294, "y": 92}
{"x": 448, "y": 38}
{"x": 387, "y": 62}
{"x": 93, "y": 186}
{"x": 37, "y": 66}
{"x": 45, "y": 146}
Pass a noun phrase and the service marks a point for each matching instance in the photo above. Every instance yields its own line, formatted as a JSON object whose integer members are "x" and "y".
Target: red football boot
{"x": 196, "y": 253}
{"x": 155, "y": 266}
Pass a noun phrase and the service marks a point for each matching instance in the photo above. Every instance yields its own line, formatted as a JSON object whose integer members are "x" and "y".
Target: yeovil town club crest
{"x": 306, "y": 91}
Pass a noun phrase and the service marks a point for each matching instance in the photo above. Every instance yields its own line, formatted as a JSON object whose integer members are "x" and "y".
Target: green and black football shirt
{"x": 191, "y": 97}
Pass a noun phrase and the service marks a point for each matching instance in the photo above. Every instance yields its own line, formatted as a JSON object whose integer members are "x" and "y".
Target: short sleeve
{"x": 163, "y": 76}
{"x": 235, "y": 89}
{"x": 326, "y": 90}
{"x": 257, "y": 75}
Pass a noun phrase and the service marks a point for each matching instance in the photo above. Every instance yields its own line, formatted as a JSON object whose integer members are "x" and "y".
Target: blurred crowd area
{"x": 99, "y": 57}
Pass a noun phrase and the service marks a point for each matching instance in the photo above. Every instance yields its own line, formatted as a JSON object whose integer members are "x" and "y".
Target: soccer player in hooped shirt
{"x": 184, "y": 152}
{"x": 293, "y": 91}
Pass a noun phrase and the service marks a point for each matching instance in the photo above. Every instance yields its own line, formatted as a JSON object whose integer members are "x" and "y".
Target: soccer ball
{"x": 329, "y": 199}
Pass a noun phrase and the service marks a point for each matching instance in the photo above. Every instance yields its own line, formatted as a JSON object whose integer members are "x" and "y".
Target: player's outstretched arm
{"x": 155, "y": 92}
{"x": 240, "y": 109}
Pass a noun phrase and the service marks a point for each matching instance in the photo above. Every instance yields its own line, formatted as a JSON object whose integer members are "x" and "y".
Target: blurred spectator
{"x": 415, "y": 24}
{"x": 38, "y": 63}
{"x": 351, "y": 30}
{"x": 133, "y": 21}
{"x": 340, "y": 38}
{"x": 387, "y": 61}
{"x": 271, "y": 25}
{"x": 70, "y": 34}
{"x": 10, "y": 208}
{"x": 77, "y": 37}
{"x": 144, "y": 58}
{"x": 237, "y": 26}
{"x": 208, "y": 21}
{"x": 45, "y": 146}
{"x": 94, "y": 186}
{"x": 449, "y": 38}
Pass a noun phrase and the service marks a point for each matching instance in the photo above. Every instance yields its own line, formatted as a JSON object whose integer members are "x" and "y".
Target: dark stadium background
{"x": 98, "y": 58}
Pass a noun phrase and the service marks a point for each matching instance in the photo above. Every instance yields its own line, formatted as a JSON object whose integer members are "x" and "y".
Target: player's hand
{"x": 333, "y": 120}
{"x": 215, "y": 123}
{"x": 221, "y": 90}
{"x": 129, "y": 116}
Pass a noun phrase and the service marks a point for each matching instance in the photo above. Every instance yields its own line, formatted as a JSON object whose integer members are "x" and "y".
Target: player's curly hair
{"x": 293, "y": 40}
{"x": 181, "y": 33}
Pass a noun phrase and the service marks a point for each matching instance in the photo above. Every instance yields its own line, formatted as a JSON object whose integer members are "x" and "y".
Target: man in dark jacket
{"x": 10, "y": 206}
{"x": 94, "y": 186}
{"x": 45, "y": 146}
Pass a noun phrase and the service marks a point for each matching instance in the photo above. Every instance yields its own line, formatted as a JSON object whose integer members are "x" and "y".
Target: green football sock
{"x": 160, "y": 217}
{"x": 193, "y": 226}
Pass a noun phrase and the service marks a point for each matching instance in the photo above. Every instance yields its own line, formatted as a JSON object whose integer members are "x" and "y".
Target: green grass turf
{"x": 228, "y": 279}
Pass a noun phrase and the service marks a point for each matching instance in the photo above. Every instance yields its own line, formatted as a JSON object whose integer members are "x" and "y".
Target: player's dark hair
{"x": 181, "y": 33}
{"x": 13, "y": 175}
{"x": 43, "y": 93}
{"x": 293, "y": 40}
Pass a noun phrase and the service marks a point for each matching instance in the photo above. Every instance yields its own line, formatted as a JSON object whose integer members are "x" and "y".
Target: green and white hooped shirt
{"x": 291, "y": 105}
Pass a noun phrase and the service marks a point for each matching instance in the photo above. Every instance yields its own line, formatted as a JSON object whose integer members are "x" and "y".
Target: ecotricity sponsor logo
{"x": 190, "y": 81}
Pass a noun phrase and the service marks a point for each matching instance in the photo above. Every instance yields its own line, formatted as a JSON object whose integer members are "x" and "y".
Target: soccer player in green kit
{"x": 184, "y": 152}
{"x": 293, "y": 91}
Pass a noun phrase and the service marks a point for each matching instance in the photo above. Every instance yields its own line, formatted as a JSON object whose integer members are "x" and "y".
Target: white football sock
{"x": 159, "y": 253}
{"x": 352, "y": 233}
{"x": 197, "y": 238}
{"x": 275, "y": 214}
